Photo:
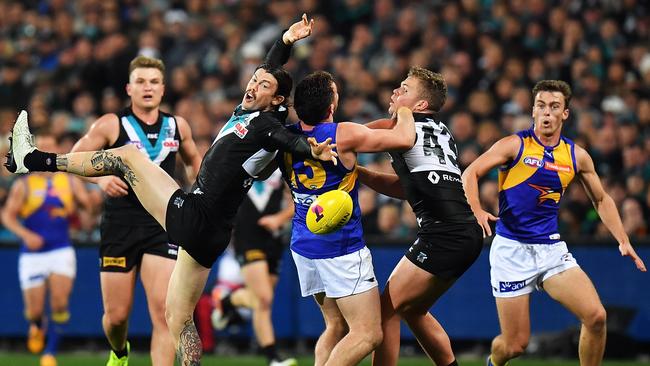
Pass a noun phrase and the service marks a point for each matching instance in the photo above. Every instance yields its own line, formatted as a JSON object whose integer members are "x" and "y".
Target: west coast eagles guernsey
{"x": 308, "y": 179}
{"x": 530, "y": 189}
{"x": 47, "y": 209}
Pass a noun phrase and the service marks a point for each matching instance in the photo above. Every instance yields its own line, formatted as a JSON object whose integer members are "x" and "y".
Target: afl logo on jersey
{"x": 533, "y": 161}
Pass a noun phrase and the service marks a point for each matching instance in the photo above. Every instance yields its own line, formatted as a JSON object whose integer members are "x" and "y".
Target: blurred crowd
{"x": 67, "y": 61}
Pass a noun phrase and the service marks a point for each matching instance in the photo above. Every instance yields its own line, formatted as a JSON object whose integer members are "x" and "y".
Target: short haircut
{"x": 314, "y": 94}
{"x": 433, "y": 87}
{"x": 554, "y": 86}
{"x": 285, "y": 82}
{"x": 144, "y": 62}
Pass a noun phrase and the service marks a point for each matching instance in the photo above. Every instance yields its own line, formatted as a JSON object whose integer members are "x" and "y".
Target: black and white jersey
{"x": 243, "y": 151}
{"x": 160, "y": 142}
{"x": 430, "y": 175}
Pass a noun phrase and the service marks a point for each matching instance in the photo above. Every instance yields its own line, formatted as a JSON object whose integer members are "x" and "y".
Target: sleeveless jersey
{"x": 530, "y": 189}
{"x": 430, "y": 176}
{"x": 263, "y": 198}
{"x": 160, "y": 142}
{"x": 47, "y": 209}
{"x": 309, "y": 178}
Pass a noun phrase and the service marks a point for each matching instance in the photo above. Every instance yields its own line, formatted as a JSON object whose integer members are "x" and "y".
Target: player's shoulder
{"x": 107, "y": 122}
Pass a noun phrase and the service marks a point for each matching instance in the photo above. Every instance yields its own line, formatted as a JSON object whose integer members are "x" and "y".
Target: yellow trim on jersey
{"x": 564, "y": 160}
{"x": 349, "y": 181}
{"x": 520, "y": 172}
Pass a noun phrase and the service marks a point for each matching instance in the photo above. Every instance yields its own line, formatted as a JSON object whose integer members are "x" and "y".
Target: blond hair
{"x": 433, "y": 87}
{"x": 144, "y": 62}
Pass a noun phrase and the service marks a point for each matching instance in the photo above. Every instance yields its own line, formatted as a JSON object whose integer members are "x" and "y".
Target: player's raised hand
{"x": 483, "y": 217}
{"x": 113, "y": 186}
{"x": 298, "y": 30}
{"x": 627, "y": 251}
{"x": 323, "y": 151}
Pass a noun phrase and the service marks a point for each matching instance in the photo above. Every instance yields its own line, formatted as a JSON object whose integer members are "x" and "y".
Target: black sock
{"x": 121, "y": 353}
{"x": 38, "y": 322}
{"x": 270, "y": 352}
{"x": 226, "y": 305}
{"x": 454, "y": 363}
{"x": 38, "y": 161}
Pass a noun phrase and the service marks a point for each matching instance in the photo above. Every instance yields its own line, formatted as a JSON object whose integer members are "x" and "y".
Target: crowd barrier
{"x": 467, "y": 311}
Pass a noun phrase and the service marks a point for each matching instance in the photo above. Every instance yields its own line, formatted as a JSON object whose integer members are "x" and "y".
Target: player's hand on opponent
{"x": 33, "y": 241}
{"x": 113, "y": 186}
{"x": 627, "y": 251}
{"x": 271, "y": 223}
{"x": 483, "y": 217}
{"x": 323, "y": 151}
{"x": 298, "y": 30}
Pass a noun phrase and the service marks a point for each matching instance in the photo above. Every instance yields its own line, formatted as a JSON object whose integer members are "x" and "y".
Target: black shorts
{"x": 267, "y": 249}
{"x": 203, "y": 236}
{"x": 123, "y": 246}
{"x": 449, "y": 250}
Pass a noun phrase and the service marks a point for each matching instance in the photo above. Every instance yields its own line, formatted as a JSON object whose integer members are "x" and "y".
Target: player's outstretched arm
{"x": 384, "y": 183}
{"x": 281, "y": 50}
{"x": 501, "y": 152}
{"x": 298, "y": 30}
{"x": 353, "y": 137}
{"x": 605, "y": 206}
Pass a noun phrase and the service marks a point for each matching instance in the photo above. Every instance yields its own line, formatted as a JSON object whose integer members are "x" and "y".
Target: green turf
{"x": 86, "y": 359}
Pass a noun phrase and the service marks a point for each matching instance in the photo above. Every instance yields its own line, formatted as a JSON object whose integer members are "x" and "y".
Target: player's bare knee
{"x": 596, "y": 320}
{"x": 117, "y": 316}
{"x": 516, "y": 348}
{"x": 263, "y": 303}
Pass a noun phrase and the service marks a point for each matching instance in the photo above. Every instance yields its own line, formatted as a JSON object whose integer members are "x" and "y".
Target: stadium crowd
{"x": 66, "y": 62}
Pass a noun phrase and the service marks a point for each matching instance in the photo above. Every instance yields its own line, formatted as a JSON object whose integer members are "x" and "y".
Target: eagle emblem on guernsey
{"x": 546, "y": 193}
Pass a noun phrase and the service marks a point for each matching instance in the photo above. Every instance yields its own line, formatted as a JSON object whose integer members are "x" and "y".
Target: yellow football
{"x": 329, "y": 212}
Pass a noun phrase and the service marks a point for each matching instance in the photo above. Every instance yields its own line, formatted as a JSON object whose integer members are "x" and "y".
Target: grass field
{"x": 87, "y": 359}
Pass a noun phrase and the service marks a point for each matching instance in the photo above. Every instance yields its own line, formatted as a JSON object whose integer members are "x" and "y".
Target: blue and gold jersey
{"x": 47, "y": 209}
{"x": 530, "y": 189}
{"x": 310, "y": 178}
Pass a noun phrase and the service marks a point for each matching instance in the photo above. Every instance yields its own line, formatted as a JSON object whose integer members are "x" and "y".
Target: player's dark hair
{"x": 554, "y": 86}
{"x": 313, "y": 96}
{"x": 433, "y": 87}
{"x": 285, "y": 82}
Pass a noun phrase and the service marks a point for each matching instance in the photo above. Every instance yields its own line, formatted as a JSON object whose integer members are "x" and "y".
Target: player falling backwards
{"x": 200, "y": 221}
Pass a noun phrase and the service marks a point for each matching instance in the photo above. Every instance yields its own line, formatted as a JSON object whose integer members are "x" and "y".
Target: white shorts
{"x": 518, "y": 269}
{"x": 342, "y": 276}
{"x": 35, "y": 268}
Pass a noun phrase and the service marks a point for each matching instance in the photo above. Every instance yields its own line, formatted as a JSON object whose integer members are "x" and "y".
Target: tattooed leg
{"x": 97, "y": 163}
{"x": 189, "y": 345}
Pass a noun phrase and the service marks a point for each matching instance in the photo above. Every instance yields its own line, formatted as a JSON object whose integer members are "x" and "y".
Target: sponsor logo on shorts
{"x": 566, "y": 257}
{"x": 422, "y": 257}
{"x": 371, "y": 279}
{"x": 178, "y": 202}
{"x": 254, "y": 255}
{"x": 114, "y": 262}
{"x": 39, "y": 276}
{"x": 172, "y": 249}
{"x": 511, "y": 286}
